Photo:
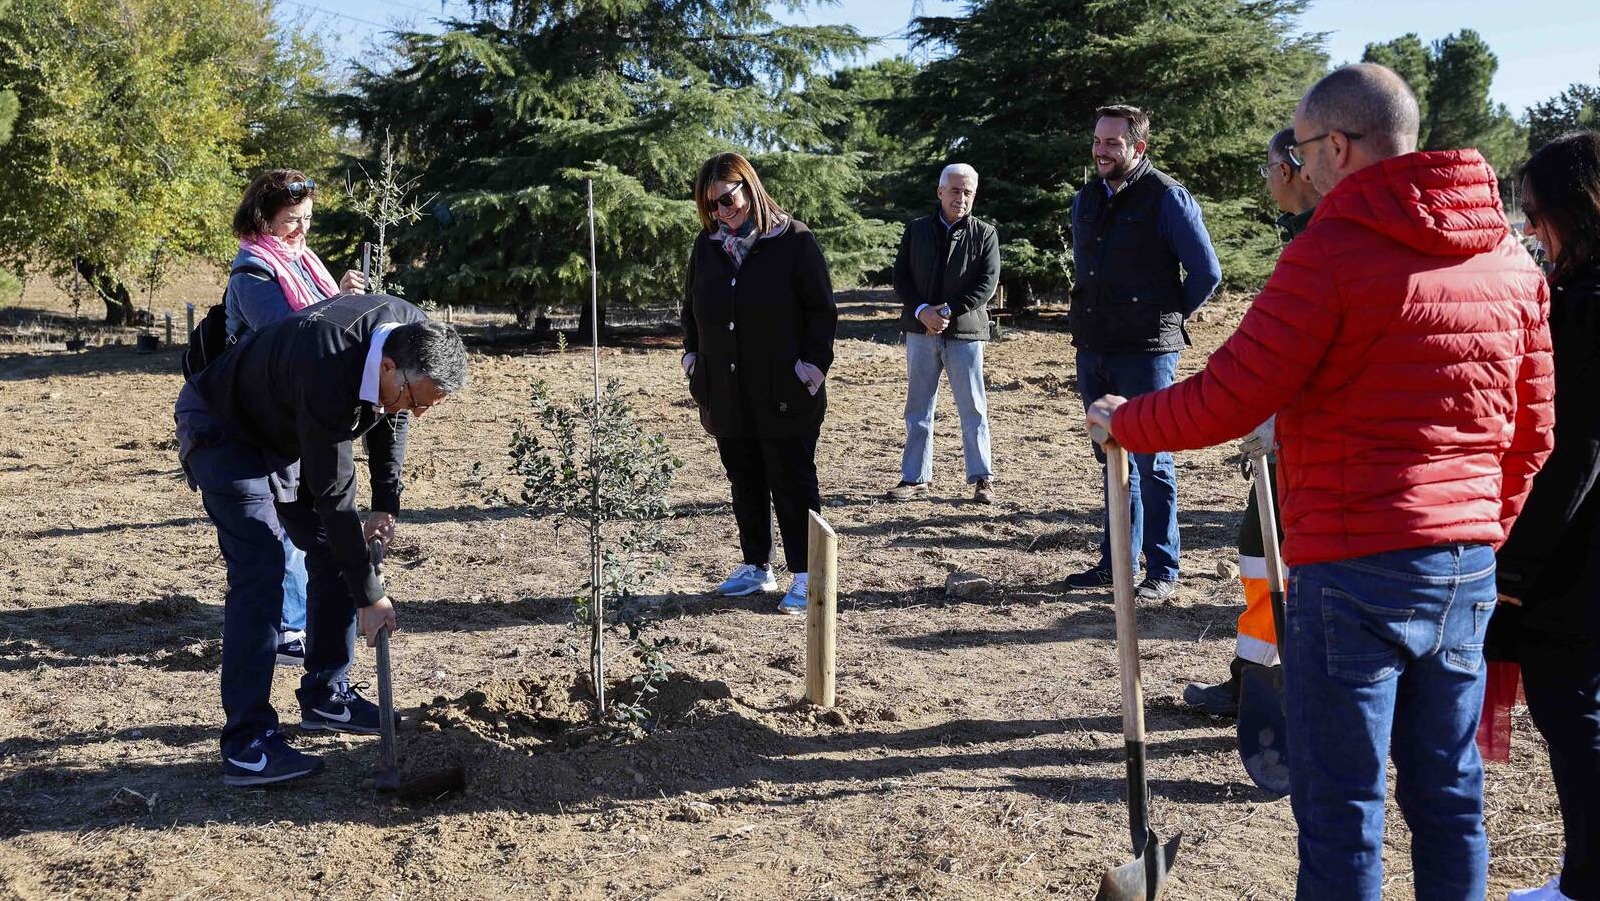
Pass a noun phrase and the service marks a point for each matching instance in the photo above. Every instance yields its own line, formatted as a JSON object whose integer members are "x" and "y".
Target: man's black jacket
{"x": 959, "y": 266}
{"x": 293, "y": 389}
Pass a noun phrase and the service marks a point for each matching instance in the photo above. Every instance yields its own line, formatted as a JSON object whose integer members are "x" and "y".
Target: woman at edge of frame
{"x": 758, "y": 329}
{"x": 1548, "y": 571}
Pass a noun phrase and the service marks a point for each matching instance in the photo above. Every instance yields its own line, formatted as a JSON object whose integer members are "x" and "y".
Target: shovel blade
{"x": 1263, "y": 731}
{"x": 1145, "y": 877}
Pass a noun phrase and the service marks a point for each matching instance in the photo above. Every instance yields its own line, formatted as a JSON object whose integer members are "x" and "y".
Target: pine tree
{"x": 1575, "y": 108}
{"x": 506, "y": 113}
{"x": 1016, "y": 94}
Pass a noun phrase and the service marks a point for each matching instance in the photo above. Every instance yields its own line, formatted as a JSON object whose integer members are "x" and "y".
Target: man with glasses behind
{"x": 1257, "y": 641}
{"x": 1403, "y": 342}
{"x": 304, "y": 389}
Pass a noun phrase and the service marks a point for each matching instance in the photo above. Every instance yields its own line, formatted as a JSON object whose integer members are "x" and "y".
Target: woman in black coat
{"x": 1549, "y": 568}
{"x": 758, "y": 327}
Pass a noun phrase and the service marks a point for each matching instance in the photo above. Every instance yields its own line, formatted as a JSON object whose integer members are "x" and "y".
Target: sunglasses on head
{"x": 299, "y": 189}
{"x": 726, "y": 200}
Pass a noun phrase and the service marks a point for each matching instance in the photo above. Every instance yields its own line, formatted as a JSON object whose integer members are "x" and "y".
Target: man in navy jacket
{"x": 265, "y": 433}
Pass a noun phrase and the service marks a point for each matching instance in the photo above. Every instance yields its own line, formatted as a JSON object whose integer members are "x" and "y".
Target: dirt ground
{"x": 975, "y": 753}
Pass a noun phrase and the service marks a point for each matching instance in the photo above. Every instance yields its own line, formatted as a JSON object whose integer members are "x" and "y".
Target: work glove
{"x": 1261, "y": 441}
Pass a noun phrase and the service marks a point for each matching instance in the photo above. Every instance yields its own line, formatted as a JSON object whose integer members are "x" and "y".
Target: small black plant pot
{"x": 149, "y": 344}
{"x": 76, "y": 344}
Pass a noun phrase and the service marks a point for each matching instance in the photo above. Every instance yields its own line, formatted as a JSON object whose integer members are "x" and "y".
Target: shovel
{"x": 1144, "y": 877}
{"x": 424, "y": 787}
{"x": 1262, "y": 724}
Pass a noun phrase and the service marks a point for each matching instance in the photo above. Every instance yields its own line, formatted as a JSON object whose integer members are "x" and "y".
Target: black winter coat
{"x": 749, "y": 327}
{"x": 1551, "y": 559}
{"x": 965, "y": 278}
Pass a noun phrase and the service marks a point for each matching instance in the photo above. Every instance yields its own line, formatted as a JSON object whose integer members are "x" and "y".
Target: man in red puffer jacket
{"x": 1403, "y": 342}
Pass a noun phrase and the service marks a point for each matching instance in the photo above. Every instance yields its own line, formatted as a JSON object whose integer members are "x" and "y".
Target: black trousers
{"x": 769, "y": 475}
{"x": 1562, "y": 684}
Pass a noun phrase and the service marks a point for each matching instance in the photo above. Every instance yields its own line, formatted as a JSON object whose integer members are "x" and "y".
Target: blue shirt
{"x": 254, "y": 299}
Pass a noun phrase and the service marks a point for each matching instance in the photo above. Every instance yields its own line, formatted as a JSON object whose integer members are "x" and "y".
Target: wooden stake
{"x": 189, "y": 314}
{"x": 168, "y": 316}
{"x": 822, "y": 598}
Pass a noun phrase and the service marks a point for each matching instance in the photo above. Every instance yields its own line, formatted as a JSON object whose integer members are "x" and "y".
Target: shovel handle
{"x": 388, "y": 767}
{"x": 1268, "y": 514}
{"x": 1120, "y": 515}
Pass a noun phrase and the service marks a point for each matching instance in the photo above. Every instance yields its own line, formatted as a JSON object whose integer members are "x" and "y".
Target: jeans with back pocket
{"x": 1383, "y": 657}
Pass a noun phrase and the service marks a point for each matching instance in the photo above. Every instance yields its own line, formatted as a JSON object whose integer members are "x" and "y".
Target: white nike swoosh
{"x": 343, "y": 716}
{"x": 256, "y": 767}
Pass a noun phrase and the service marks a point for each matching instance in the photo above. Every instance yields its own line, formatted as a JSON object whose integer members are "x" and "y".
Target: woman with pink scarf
{"x": 273, "y": 275}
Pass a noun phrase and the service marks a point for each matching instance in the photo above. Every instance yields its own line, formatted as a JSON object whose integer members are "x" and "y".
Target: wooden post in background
{"x": 822, "y": 599}
{"x": 189, "y": 314}
{"x": 168, "y": 316}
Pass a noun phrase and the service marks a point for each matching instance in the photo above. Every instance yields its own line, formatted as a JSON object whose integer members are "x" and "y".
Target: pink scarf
{"x": 299, "y": 295}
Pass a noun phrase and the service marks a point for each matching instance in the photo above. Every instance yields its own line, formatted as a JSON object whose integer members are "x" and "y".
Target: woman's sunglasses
{"x": 299, "y": 189}
{"x": 726, "y": 200}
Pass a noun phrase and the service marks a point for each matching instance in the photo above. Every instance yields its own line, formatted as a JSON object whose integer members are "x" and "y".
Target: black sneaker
{"x": 1221, "y": 699}
{"x": 1152, "y": 590}
{"x": 1093, "y": 577}
{"x": 292, "y": 651}
{"x": 345, "y": 710}
{"x": 267, "y": 760}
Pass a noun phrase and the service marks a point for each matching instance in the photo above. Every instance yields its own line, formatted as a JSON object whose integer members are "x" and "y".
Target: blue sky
{"x": 1543, "y": 45}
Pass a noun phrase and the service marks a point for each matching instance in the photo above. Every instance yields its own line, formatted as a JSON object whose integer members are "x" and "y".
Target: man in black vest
{"x": 265, "y": 434}
{"x": 1143, "y": 264}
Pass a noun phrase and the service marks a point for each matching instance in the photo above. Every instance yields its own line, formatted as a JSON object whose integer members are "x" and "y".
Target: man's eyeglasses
{"x": 726, "y": 200}
{"x": 415, "y": 407}
{"x": 1293, "y": 150}
{"x": 1266, "y": 168}
{"x": 297, "y": 190}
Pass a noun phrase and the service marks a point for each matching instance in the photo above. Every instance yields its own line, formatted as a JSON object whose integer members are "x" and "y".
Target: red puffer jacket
{"x": 1404, "y": 343}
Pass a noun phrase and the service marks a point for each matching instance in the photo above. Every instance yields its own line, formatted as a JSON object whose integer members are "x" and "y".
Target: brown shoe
{"x": 984, "y": 492}
{"x": 909, "y": 491}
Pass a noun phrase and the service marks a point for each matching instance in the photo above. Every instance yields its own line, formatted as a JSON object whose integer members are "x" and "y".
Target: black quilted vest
{"x": 1128, "y": 293}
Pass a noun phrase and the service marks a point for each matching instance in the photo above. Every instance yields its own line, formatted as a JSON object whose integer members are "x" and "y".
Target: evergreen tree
{"x": 1575, "y": 108}
{"x": 509, "y": 111}
{"x": 1451, "y": 79}
{"x": 1015, "y": 97}
{"x": 1409, "y": 57}
{"x": 138, "y": 122}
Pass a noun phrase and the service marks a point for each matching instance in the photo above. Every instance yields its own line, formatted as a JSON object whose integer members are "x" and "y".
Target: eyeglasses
{"x": 726, "y": 200}
{"x": 1293, "y": 150}
{"x": 299, "y": 189}
{"x": 1530, "y": 216}
{"x": 1266, "y": 168}
{"x": 415, "y": 407}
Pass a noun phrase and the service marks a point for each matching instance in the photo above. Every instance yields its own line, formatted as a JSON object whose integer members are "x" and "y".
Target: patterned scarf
{"x": 737, "y": 244}
{"x": 282, "y": 257}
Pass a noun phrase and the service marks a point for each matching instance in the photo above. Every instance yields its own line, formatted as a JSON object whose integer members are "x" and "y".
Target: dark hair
{"x": 732, "y": 167}
{"x": 268, "y": 194}
{"x": 1278, "y": 147}
{"x": 1563, "y": 177}
{"x": 1138, "y": 120}
{"x": 1369, "y": 100}
{"x": 431, "y": 350}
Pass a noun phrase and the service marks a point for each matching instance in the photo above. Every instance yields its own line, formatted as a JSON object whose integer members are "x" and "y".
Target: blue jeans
{"x": 926, "y": 356}
{"x": 1384, "y": 656}
{"x": 243, "y": 489}
{"x": 294, "y": 588}
{"x": 1152, "y": 481}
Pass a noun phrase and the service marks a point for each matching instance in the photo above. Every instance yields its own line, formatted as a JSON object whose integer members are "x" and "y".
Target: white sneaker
{"x": 1550, "y": 891}
{"x": 794, "y": 603}
{"x": 748, "y": 578}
